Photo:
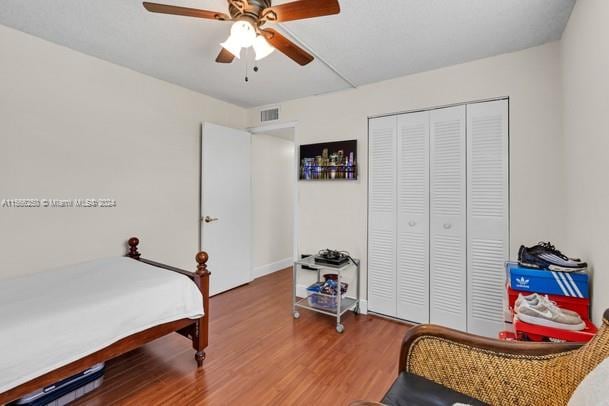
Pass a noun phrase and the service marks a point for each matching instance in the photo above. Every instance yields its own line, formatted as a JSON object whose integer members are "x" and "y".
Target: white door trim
{"x": 281, "y": 126}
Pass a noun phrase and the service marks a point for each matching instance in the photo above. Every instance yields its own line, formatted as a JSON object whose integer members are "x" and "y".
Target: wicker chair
{"x": 501, "y": 372}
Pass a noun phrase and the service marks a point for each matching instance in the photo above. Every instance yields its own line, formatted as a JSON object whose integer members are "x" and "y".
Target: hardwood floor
{"x": 259, "y": 355}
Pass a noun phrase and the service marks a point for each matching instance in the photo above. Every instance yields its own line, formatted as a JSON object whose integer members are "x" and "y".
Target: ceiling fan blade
{"x": 286, "y": 46}
{"x": 225, "y": 57}
{"x": 184, "y": 11}
{"x": 301, "y": 9}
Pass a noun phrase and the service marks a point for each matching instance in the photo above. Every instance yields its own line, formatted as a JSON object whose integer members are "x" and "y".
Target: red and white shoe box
{"x": 531, "y": 332}
{"x": 579, "y": 305}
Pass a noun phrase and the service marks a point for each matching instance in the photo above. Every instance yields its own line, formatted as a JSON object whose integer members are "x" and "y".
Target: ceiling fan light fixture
{"x": 262, "y": 47}
{"x": 232, "y": 46}
{"x": 243, "y": 33}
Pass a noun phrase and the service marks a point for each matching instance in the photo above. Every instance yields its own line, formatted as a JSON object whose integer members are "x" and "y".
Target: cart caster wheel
{"x": 296, "y": 315}
{"x": 340, "y": 328}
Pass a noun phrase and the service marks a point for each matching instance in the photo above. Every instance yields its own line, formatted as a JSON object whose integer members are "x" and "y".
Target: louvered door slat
{"x": 381, "y": 215}
{"x": 413, "y": 217}
{"x": 488, "y": 240}
{"x": 448, "y": 218}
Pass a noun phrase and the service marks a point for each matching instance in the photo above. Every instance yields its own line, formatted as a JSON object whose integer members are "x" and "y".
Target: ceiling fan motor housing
{"x": 250, "y": 10}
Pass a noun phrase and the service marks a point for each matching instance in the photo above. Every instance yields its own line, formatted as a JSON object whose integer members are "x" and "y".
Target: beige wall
{"x": 333, "y": 214}
{"x": 585, "y": 61}
{"x": 273, "y": 174}
{"x": 73, "y": 126}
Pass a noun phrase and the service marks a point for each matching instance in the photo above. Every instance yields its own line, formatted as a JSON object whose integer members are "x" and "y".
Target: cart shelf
{"x": 346, "y": 304}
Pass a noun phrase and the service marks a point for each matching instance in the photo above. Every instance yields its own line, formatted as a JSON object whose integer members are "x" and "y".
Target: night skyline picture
{"x": 329, "y": 161}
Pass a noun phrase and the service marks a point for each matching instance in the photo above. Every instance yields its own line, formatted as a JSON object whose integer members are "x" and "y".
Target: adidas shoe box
{"x": 66, "y": 391}
{"x": 544, "y": 281}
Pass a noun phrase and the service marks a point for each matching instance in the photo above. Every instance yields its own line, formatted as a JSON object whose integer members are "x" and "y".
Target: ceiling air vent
{"x": 269, "y": 114}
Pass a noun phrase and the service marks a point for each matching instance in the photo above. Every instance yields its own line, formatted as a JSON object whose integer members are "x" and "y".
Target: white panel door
{"x": 381, "y": 215}
{"x": 448, "y": 218}
{"x": 226, "y": 203}
{"x": 413, "y": 217}
{"x": 487, "y": 214}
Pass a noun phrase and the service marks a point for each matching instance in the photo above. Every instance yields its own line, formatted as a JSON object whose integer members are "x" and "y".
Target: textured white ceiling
{"x": 370, "y": 40}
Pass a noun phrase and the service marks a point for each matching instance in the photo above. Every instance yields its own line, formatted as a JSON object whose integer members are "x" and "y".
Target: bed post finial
{"x": 133, "y": 252}
{"x": 202, "y": 258}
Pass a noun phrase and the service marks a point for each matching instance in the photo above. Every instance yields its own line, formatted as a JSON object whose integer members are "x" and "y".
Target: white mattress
{"x": 52, "y": 318}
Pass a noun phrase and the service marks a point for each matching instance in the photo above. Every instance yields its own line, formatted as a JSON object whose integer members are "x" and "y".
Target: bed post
{"x": 133, "y": 252}
{"x": 200, "y": 338}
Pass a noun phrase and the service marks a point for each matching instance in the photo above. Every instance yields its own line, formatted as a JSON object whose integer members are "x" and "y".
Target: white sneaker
{"x": 535, "y": 298}
{"x": 546, "y": 300}
{"x": 548, "y": 315}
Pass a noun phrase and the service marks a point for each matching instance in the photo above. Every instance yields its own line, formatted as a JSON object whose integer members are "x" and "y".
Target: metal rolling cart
{"x": 342, "y": 304}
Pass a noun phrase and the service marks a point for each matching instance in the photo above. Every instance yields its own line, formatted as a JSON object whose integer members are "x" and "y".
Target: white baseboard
{"x": 272, "y": 267}
{"x": 363, "y": 306}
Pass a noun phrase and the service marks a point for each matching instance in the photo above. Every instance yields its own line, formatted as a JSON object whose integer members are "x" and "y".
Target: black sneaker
{"x": 551, "y": 247}
{"x": 546, "y": 256}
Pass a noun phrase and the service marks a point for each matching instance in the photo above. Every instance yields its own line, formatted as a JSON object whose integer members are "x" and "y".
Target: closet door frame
{"x": 508, "y": 209}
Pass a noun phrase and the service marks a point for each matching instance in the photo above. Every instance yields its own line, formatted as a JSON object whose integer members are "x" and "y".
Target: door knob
{"x": 412, "y": 223}
{"x": 208, "y": 219}
{"x": 447, "y": 226}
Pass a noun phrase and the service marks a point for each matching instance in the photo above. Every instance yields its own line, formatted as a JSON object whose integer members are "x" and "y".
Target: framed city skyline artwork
{"x": 329, "y": 161}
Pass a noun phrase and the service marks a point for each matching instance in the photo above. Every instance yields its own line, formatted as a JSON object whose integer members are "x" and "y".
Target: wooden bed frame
{"x": 196, "y": 330}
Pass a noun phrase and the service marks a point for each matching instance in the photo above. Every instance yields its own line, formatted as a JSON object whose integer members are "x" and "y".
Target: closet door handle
{"x": 412, "y": 223}
{"x": 447, "y": 226}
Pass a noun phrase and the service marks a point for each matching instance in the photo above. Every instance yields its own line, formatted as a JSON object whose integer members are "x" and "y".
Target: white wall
{"x": 73, "y": 126}
{"x": 585, "y": 62}
{"x": 273, "y": 173}
{"x": 333, "y": 214}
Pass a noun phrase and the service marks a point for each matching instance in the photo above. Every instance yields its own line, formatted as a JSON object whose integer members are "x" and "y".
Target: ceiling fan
{"x": 249, "y": 16}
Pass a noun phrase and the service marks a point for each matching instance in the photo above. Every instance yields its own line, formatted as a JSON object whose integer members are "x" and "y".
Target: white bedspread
{"x": 52, "y": 318}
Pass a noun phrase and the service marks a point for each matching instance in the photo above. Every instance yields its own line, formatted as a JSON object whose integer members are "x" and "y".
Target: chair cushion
{"x": 593, "y": 390}
{"x": 413, "y": 390}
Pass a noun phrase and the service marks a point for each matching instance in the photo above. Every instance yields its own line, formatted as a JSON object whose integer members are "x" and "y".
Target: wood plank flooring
{"x": 259, "y": 355}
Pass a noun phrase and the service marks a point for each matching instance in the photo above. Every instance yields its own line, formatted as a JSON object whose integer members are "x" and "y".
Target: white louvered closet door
{"x": 413, "y": 217}
{"x": 488, "y": 214}
{"x": 448, "y": 218}
{"x": 381, "y": 215}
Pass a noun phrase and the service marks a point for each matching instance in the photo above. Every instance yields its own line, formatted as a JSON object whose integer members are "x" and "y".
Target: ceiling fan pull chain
{"x": 247, "y": 63}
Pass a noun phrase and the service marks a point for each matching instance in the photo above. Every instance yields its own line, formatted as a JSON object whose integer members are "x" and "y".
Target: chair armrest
{"x": 478, "y": 342}
{"x": 494, "y": 371}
